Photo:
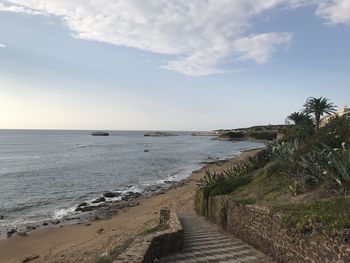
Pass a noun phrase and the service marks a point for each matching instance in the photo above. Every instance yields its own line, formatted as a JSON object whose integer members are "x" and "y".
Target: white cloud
{"x": 2, "y": 45}
{"x": 199, "y": 35}
{"x": 261, "y": 47}
{"x": 7, "y": 7}
{"x": 335, "y": 11}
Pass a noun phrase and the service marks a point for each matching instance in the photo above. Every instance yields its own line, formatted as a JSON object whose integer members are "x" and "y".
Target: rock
{"x": 11, "y": 232}
{"x": 22, "y": 234}
{"x": 159, "y": 134}
{"x": 133, "y": 194}
{"x": 146, "y": 151}
{"x": 99, "y": 200}
{"x": 45, "y": 224}
{"x": 100, "y": 231}
{"x": 30, "y": 228}
{"x": 111, "y": 195}
{"x": 133, "y": 204}
{"x": 72, "y": 218}
{"x": 88, "y": 224}
{"x": 100, "y": 133}
{"x": 34, "y": 256}
{"x": 83, "y": 204}
{"x": 2, "y": 217}
{"x": 85, "y": 208}
{"x": 90, "y": 208}
{"x": 55, "y": 222}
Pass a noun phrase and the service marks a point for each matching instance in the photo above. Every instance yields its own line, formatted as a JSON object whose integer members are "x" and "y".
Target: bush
{"x": 232, "y": 135}
{"x": 298, "y": 132}
{"x": 327, "y": 214}
{"x": 269, "y": 136}
{"x": 333, "y": 134}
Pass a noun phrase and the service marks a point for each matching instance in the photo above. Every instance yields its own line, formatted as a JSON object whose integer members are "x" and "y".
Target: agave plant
{"x": 339, "y": 166}
{"x": 324, "y": 162}
{"x": 211, "y": 179}
{"x": 314, "y": 165}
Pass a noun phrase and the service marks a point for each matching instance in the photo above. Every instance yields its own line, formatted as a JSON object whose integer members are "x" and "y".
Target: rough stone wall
{"x": 257, "y": 227}
{"x": 145, "y": 249}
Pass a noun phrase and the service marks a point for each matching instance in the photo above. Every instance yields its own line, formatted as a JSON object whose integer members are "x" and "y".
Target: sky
{"x": 169, "y": 65}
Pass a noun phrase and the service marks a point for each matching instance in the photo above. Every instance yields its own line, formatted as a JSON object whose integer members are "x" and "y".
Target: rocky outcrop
{"x": 100, "y": 133}
{"x": 160, "y": 134}
{"x": 111, "y": 195}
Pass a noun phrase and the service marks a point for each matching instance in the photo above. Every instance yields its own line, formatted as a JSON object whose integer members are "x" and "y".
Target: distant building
{"x": 343, "y": 112}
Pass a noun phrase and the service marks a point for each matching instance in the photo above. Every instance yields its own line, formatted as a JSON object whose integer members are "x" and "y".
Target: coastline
{"x": 83, "y": 241}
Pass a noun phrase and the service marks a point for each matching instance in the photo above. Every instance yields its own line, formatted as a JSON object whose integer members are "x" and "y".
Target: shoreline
{"x": 52, "y": 244}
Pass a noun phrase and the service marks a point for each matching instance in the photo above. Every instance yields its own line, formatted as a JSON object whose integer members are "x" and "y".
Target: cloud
{"x": 2, "y": 45}
{"x": 335, "y": 11}
{"x": 199, "y": 36}
{"x": 261, "y": 47}
{"x": 7, "y": 7}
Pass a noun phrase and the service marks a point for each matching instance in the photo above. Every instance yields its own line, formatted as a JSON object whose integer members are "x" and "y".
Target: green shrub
{"x": 232, "y": 135}
{"x": 333, "y": 134}
{"x": 269, "y": 136}
{"x": 325, "y": 214}
{"x": 229, "y": 186}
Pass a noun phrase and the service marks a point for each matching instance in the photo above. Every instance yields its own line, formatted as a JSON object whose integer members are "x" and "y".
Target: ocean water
{"x": 46, "y": 174}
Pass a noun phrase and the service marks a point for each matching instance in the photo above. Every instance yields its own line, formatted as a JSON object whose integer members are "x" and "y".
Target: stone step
{"x": 205, "y": 242}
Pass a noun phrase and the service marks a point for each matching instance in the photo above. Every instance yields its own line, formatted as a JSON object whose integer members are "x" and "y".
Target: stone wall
{"x": 263, "y": 230}
{"x": 147, "y": 248}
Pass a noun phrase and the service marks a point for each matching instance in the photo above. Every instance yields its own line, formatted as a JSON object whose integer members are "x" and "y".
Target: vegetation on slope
{"x": 306, "y": 177}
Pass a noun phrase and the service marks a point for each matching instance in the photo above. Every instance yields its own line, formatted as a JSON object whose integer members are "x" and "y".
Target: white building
{"x": 344, "y": 111}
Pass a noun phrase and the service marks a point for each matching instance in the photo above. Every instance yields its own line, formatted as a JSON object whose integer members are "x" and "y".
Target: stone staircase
{"x": 206, "y": 242}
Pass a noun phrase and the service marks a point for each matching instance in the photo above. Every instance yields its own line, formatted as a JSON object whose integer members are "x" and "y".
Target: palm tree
{"x": 299, "y": 119}
{"x": 318, "y": 107}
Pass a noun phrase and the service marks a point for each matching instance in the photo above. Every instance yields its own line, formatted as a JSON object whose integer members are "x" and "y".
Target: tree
{"x": 299, "y": 119}
{"x": 318, "y": 107}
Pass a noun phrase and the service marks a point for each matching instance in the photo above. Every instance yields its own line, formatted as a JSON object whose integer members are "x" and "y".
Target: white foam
{"x": 60, "y": 213}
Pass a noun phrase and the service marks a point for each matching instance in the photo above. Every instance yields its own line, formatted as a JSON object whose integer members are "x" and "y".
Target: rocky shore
{"x": 102, "y": 207}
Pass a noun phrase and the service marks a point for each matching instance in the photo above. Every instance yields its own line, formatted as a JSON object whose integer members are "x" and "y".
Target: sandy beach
{"x": 84, "y": 242}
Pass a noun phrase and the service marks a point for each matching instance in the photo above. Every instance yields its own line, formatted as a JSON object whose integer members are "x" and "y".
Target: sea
{"x": 45, "y": 174}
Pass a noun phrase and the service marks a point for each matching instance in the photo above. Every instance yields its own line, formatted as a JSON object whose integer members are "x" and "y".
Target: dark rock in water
{"x": 2, "y": 217}
{"x": 110, "y": 194}
{"x": 83, "y": 204}
{"x": 30, "y": 228}
{"x": 146, "y": 151}
{"x": 89, "y": 208}
{"x": 99, "y": 200}
{"x": 85, "y": 208}
{"x": 100, "y": 133}
{"x": 55, "y": 222}
{"x": 131, "y": 195}
{"x": 11, "y": 232}
{"x": 45, "y": 224}
{"x": 72, "y": 218}
{"x": 159, "y": 134}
